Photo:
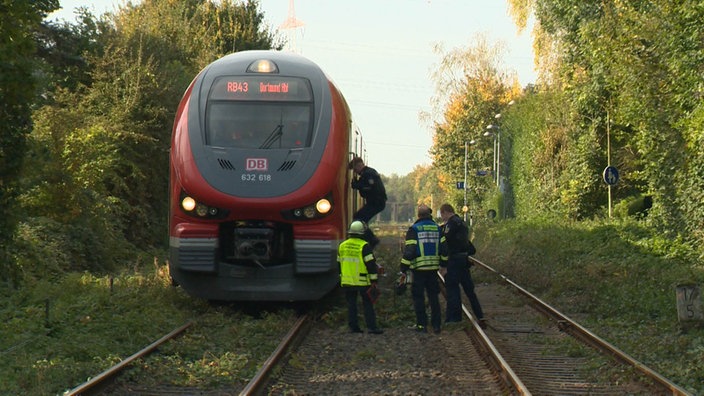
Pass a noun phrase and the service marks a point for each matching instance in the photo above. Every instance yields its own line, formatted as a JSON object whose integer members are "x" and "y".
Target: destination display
{"x": 261, "y": 88}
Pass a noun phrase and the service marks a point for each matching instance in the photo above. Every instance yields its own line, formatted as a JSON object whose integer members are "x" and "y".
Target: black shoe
{"x": 436, "y": 330}
{"x": 375, "y": 331}
{"x": 420, "y": 329}
{"x": 482, "y": 323}
{"x": 356, "y": 330}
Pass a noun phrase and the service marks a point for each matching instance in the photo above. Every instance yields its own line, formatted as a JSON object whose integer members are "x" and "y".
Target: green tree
{"x": 65, "y": 50}
{"x": 19, "y": 21}
{"x": 630, "y": 70}
{"x": 473, "y": 88}
{"x": 104, "y": 141}
{"x": 157, "y": 47}
{"x": 401, "y": 198}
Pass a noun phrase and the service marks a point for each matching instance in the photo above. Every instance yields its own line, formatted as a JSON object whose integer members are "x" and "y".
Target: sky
{"x": 380, "y": 54}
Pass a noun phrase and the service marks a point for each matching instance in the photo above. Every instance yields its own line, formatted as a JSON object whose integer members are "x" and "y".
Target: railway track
{"x": 197, "y": 358}
{"x": 538, "y": 356}
{"x": 528, "y": 348}
{"x": 97, "y": 384}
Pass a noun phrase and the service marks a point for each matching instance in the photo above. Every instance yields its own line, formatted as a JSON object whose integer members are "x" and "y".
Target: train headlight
{"x": 323, "y": 206}
{"x": 188, "y": 204}
{"x": 263, "y": 66}
{"x": 199, "y": 209}
{"x": 315, "y": 210}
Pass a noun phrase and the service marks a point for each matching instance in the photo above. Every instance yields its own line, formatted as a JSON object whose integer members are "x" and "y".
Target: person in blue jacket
{"x": 423, "y": 255}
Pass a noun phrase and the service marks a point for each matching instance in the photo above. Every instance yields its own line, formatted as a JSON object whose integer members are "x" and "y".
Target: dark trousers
{"x": 366, "y": 213}
{"x": 426, "y": 281}
{"x": 458, "y": 274}
{"x": 351, "y": 293}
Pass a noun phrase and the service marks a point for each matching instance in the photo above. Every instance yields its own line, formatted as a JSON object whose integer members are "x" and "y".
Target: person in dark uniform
{"x": 371, "y": 188}
{"x": 423, "y": 254}
{"x": 358, "y": 276}
{"x": 457, "y": 273}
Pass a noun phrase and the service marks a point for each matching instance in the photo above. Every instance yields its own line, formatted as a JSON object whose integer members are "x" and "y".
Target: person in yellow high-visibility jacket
{"x": 358, "y": 275}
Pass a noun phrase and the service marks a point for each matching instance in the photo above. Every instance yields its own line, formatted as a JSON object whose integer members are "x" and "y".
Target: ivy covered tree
{"x": 630, "y": 73}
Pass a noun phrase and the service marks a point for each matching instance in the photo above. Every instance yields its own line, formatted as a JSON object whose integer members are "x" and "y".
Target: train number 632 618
{"x": 253, "y": 177}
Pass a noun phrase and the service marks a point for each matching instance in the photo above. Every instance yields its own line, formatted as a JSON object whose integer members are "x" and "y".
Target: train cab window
{"x": 258, "y": 125}
{"x": 241, "y": 113}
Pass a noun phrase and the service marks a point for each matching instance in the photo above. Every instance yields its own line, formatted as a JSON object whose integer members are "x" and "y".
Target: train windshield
{"x": 262, "y": 125}
{"x": 259, "y": 112}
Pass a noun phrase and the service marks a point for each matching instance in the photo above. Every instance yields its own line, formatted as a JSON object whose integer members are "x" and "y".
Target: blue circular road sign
{"x": 610, "y": 175}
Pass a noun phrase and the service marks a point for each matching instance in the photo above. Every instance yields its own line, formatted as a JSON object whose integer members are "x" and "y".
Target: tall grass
{"x": 57, "y": 334}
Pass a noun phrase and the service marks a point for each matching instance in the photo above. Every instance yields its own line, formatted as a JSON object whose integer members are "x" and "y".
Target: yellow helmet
{"x": 357, "y": 228}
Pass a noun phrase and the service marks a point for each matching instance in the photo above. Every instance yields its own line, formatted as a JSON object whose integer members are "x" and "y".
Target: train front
{"x": 259, "y": 180}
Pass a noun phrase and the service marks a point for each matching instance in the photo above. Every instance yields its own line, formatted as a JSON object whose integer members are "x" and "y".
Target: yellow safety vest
{"x": 353, "y": 267}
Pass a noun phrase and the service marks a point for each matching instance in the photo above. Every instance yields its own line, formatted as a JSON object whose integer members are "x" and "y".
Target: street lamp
{"x": 466, "y": 151}
{"x": 497, "y": 146}
{"x": 495, "y": 161}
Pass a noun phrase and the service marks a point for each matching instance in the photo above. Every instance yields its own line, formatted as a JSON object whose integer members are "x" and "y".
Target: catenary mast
{"x": 291, "y": 26}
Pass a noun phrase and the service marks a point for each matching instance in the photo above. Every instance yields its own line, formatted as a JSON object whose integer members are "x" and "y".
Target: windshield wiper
{"x": 273, "y": 137}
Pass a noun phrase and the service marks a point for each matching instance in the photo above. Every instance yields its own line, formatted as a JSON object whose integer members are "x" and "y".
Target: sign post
{"x": 610, "y": 178}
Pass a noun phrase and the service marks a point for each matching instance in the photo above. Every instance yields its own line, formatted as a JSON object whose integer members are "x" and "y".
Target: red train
{"x": 260, "y": 192}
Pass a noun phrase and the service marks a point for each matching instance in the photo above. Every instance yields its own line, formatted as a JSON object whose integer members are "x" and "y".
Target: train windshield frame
{"x": 259, "y": 112}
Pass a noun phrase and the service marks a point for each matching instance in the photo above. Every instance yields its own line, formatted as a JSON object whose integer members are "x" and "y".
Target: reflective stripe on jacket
{"x": 353, "y": 265}
{"x": 425, "y": 246}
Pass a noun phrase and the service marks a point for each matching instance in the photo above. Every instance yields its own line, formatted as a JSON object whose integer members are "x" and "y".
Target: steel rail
{"x": 505, "y": 370}
{"x": 565, "y": 322}
{"x": 88, "y": 386}
{"x": 256, "y": 384}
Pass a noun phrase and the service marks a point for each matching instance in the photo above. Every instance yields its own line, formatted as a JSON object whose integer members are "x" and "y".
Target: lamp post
{"x": 497, "y": 146}
{"x": 495, "y": 161}
{"x": 498, "y": 150}
{"x": 466, "y": 151}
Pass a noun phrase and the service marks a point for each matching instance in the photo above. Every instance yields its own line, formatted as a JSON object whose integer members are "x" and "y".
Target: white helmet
{"x": 357, "y": 228}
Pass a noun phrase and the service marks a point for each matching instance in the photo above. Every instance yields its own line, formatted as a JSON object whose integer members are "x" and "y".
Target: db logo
{"x": 257, "y": 164}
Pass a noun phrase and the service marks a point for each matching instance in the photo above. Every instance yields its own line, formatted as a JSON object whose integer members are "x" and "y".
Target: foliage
{"x": 97, "y": 161}
{"x": 401, "y": 199}
{"x": 473, "y": 96}
{"x": 18, "y": 90}
{"x": 225, "y": 346}
{"x": 61, "y": 332}
{"x": 617, "y": 278}
{"x": 64, "y": 50}
{"x": 691, "y": 188}
{"x": 537, "y": 125}
{"x": 474, "y": 89}
{"x": 424, "y": 184}
{"x": 632, "y": 73}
